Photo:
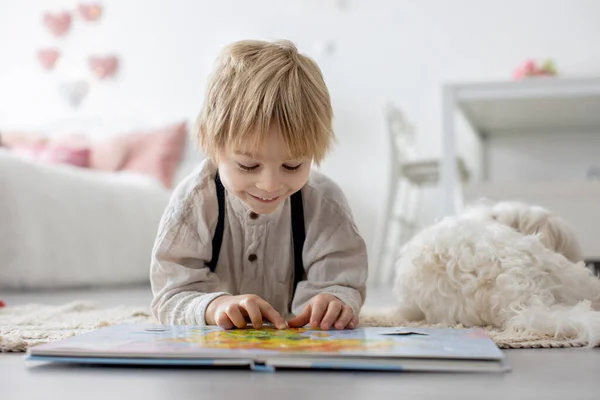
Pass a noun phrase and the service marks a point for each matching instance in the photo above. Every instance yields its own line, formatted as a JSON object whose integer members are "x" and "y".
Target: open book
{"x": 395, "y": 349}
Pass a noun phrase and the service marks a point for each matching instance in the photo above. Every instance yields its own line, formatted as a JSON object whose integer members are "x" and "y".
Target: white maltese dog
{"x": 509, "y": 265}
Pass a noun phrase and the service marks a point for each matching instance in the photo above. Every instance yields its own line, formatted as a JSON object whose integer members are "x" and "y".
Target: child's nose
{"x": 269, "y": 182}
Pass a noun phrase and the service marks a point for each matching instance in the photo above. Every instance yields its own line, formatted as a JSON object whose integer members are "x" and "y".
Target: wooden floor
{"x": 536, "y": 373}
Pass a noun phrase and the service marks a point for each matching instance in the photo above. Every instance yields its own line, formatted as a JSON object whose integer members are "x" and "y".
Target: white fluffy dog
{"x": 512, "y": 266}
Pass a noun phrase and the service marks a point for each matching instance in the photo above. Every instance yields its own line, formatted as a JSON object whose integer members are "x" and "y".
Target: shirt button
{"x": 253, "y": 215}
{"x": 252, "y": 257}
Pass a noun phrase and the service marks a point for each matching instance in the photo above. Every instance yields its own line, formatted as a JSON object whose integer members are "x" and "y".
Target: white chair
{"x": 408, "y": 175}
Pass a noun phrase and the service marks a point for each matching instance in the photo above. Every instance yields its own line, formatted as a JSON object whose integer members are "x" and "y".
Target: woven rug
{"x": 28, "y": 325}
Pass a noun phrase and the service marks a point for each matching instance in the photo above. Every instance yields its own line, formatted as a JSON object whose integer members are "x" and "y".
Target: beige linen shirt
{"x": 256, "y": 255}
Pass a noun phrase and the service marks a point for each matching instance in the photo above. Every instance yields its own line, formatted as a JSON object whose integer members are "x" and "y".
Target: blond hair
{"x": 257, "y": 83}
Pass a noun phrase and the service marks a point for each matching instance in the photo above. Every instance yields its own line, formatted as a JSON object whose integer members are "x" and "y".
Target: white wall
{"x": 384, "y": 50}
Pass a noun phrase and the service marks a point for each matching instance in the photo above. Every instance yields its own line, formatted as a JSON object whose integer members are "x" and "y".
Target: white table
{"x": 492, "y": 108}
{"x": 538, "y": 105}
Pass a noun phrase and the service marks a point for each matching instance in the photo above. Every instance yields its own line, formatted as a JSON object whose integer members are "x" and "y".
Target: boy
{"x": 255, "y": 233}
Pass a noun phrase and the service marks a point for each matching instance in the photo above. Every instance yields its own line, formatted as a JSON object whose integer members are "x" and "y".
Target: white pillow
{"x": 62, "y": 226}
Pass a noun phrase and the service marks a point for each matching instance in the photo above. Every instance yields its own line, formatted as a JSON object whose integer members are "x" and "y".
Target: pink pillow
{"x": 156, "y": 153}
{"x": 29, "y": 152}
{"x": 22, "y": 139}
{"x": 54, "y": 154}
{"x": 62, "y": 154}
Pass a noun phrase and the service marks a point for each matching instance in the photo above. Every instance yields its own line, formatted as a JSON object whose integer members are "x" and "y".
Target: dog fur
{"x": 509, "y": 265}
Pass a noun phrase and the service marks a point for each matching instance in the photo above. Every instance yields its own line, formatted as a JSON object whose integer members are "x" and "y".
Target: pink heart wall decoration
{"x": 59, "y": 23}
{"x": 90, "y": 12}
{"x": 48, "y": 58}
{"x": 103, "y": 67}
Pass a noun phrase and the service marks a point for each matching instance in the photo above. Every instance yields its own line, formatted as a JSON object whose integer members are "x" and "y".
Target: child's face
{"x": 263, "y": 180}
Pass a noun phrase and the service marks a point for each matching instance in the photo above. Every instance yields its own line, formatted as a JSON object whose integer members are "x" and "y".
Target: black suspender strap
{"x": 218, "y": 237}
{"x": 298, "y": 237}
{"x": 298, "y": 232}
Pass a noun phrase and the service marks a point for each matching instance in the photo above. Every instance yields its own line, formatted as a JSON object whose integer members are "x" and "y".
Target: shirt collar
{"x": 245, "y": 214}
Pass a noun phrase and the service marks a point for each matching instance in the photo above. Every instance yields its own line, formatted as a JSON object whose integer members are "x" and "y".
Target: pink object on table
{"x": 530, "y": 69}
{"x": 526, "y": 69}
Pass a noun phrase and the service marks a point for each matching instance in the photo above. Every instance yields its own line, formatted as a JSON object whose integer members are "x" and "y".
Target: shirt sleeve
{"x": 182, "y": 284}
{"x": 335, "y": 259}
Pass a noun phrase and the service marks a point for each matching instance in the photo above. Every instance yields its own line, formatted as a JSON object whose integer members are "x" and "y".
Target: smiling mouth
{"x": 265, "y": 199}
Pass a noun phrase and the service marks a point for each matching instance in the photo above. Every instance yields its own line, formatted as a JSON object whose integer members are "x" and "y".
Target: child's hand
{"x": 231, "y": 311}
{"x": 325, "y": 311}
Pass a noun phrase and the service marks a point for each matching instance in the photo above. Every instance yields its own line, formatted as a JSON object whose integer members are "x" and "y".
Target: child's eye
{"x": 246, "y": 167}
{"x": 291, "y": 168}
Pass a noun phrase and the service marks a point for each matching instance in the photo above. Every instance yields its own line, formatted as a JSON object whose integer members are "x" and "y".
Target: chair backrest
{"x": 401, "y": 136}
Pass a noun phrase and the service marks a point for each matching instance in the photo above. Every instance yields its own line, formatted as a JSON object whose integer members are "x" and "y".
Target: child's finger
{"x": 333, "y": 312}
{"x": 301, "y": 319}
{"x": 223, "y": 321}
{"x": 344, "y": 318}
{"x": 353, "y": 323}
{"x": 319, "y": 308}
{"x": 254, "y": 313}
{"x": 235, "y": 315}
{"x": 272, "y": 315}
